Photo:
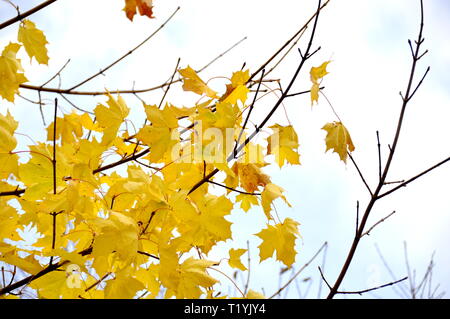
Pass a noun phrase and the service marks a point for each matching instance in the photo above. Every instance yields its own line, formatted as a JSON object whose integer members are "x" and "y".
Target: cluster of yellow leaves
{"x": 11, "y": 70}
{"x": 138, "y": 230}
{"x": 118, "y": 233}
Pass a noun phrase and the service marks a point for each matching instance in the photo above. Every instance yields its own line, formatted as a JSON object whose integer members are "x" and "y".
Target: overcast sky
{"x": 367, "y": 43}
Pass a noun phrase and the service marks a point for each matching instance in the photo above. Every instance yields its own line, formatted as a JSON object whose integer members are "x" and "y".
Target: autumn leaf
{"x": 269, "y": 194}
{"x": 247, "y": 201}
{"x": 316, "y": 74}
{"x": 11, "y": 72}
{"x": 235, "y": 259}
{"x": 192, "y": 82}
{"x": 280, "y": 239}
{"x": 111, "y": 118}
{"x": 145, "y": 8}
{"x": 283, "y": 144}
{"x": 8, "y": 162}
{"x": 33, "y": 41}
{"x": 250, "y": 176}
{"x": 338, "y": 139}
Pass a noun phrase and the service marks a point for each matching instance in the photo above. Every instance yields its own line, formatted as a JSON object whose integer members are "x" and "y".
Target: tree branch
{"x": 26, "y": 14}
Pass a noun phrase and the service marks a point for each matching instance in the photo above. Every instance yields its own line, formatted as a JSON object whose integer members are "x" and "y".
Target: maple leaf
{"x": 269, "y": 194}
{"x": 235, "y": 258}
{"x": 283, "y": 144}
{"x": 316, "y": 74}
{"x": 110, "y": 118}
{"x": 250, "y": 176}
{"x": 123, "y": 286}
{"x": 280, "y": 239}
{"x": 192, "y": 276}
{"x": 11, "y": 72}
{"x": 251, "y": 294}
{"x": 338, "y": 139}
{"x": 69, "y": 128}
{"x": 319, "y": 72}
{"x": 9, "y": 162}
{"x": 34, "y": 41}
{"x": 192, "y": 82}
{"x": 7, "y": 128}
{"x": 145, "y": 8}
{"x": 247, "y": 201}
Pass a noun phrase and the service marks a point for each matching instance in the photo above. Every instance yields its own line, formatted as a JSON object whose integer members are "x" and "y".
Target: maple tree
{"x": 148, "y": 230}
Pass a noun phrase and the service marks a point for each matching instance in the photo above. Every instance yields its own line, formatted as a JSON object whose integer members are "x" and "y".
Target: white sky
{"x": 367, "y": 41}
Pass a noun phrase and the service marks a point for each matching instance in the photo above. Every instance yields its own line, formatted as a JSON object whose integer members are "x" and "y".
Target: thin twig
{"x": 222, "y": 54}
{"x": 414, "y": 178}
{"x": 360, "y": 292}
{"x": 126, "y": 54}
{"x": 233, "y": 189}
{"x": 26, "y": 14}
{"x": 324, "y": 245}
{"x": 377, "y": 223}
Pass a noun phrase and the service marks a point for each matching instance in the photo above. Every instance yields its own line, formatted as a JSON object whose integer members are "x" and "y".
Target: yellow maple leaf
{"x": 11, "y": 72}
{"x": 250, "y": 176}
{"x": 160, "y": 140}
{"x": 192, "y": 82}
{"x": 8, "y": 162}
{"x": 338, "y": 138}
{"x": 34, "y": 41}
{"x": 7, "y": 128}
{"x": 319, "y": 72}
{"x": 269, "y": 194}
{"x": 251, "y": 294}
{"x": 69, "y": 128}
{"x": 280, "y": 239}
{"x": 283, "y": 144}
{"x": 192, "y": 276}
{"x": 240, "y": 78}
{"x": 315, "y": 93}
{"x": 161, "y": 118}
{"x": 235, "y": 258}
{"x": 145, "y": 8}
{"x": 316, "y": 74}
{"x": 247, "y": 201}
{"x": 123, "y": 286}
{"x": 118, "y": 234}
{"x": 110, "y": 118}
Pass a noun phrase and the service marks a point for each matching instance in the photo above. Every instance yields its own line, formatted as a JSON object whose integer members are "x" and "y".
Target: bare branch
{"x": 26, "y": 14}
{"x": 126, "y": 54}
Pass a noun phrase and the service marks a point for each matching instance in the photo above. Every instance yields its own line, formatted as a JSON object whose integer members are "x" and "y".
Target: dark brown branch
{"x": 233, "y": 189}
{"x": 54, "y": 176}
{"x": 360, "y": 292}
{"x": 392, "y": 148}
{"x": 26, "y": 14}
{"x": 147, "y": 254}
{"x": 379, "y": 155}
{"x": 122, "y": 161}
{"x": 360, "y": 173}
{"x": 264, "y": 65}
{"x": 248, "y": 114}
{"x": 30, "y": 278}
{"x": 413, "y": 178}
